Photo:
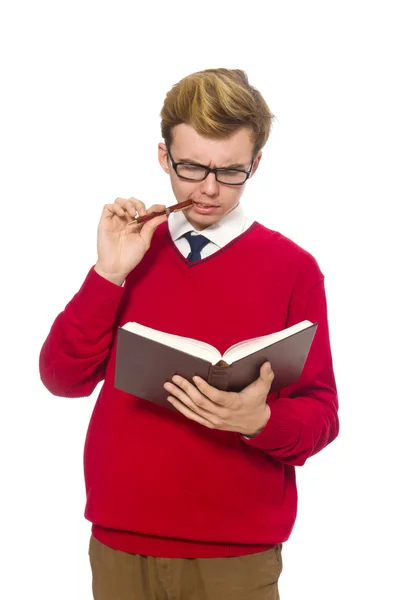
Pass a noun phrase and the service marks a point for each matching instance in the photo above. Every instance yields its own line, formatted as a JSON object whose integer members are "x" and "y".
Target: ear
{"x": 163, "y": 157}
{"x": 256, "y": 163}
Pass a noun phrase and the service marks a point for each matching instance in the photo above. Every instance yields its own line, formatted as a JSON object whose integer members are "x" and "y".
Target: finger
{"x": 120, "y": 207}
{"x": 180, "y": 394}
{"x": 192, "y": 398}
{"x": 153, "y": 224}
{"x": 150, "y": 227}
{"x": 129, "y": 207}
{"x": 110, "y": 210}
{"x": 190, "y": 414}
{"x": 215, "y": 395}
{"x": 132, "y": 206}
{"x": 156, "y": 208}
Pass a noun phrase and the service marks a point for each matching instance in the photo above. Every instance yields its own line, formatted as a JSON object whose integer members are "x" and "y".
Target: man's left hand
{"x": 245, "y": 412}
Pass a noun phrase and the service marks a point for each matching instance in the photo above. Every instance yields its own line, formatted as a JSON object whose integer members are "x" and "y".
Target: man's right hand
{"x": 121, "y": 247}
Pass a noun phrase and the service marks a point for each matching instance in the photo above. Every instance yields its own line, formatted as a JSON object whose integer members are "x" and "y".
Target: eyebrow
{"x": 195, "y": 162}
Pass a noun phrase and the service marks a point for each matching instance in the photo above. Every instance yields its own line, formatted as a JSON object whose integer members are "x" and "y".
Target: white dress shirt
{"x": 219, "y": 234}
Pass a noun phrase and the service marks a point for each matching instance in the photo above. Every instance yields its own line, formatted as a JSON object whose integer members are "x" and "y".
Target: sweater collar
{"x": 220, "y": 234}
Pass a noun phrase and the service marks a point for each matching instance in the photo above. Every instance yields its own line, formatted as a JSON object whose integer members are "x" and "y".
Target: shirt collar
{"x": 220, "y": 234}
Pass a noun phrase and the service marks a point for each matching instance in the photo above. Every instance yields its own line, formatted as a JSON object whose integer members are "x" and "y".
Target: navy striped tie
{"x": 197, "y": 243}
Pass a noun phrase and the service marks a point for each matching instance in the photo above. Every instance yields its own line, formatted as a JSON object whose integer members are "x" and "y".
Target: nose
{"x": 209, "y": 185}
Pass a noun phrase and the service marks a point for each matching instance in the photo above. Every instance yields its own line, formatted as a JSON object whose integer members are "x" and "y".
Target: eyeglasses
{"x": 195, "y": 172}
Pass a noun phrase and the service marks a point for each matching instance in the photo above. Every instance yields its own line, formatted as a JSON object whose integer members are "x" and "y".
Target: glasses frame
{"x": 208, "y": 170}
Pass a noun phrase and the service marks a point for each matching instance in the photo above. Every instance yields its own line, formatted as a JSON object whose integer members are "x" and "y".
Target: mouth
{"x": 204, "y": 208}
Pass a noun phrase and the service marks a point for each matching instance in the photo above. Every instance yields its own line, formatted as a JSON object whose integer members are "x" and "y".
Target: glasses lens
{"x": 196, "y": 173}
{"x": 191, "y": 172}
{"x": 231, "y": 177}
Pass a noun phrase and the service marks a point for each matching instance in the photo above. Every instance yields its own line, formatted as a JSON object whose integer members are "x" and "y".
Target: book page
{"x": 188, "y": 345}
{"x": 248, "y": 347}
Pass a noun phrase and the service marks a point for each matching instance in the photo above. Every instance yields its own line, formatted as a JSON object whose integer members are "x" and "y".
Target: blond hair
{"x": 217, "y": 102}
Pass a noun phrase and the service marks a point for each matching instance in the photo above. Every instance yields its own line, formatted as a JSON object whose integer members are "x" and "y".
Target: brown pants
{"x": 121, "y": 576}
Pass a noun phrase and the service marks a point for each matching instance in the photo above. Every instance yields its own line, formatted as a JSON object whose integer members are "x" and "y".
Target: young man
{"x": 195, "y": 504}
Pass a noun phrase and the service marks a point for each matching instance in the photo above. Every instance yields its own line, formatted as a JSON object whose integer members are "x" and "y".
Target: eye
{"x": 192, "y": 168}
{"x": 231, "y": 173}
{"x": 191, "y": 171}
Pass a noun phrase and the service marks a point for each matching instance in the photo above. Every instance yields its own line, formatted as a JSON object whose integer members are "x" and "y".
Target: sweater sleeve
{"x": 73, "y": 357}
{"x": 304, "y": 417}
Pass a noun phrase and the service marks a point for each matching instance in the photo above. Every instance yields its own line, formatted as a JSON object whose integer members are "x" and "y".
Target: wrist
{"x": 116, "y": 278}
{"x": 262, "y": 427}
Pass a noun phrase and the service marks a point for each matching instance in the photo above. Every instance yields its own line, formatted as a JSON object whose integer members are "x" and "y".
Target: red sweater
{"x": 157, "y": 483}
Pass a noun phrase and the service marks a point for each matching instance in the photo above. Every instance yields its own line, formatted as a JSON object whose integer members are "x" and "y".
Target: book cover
{"x": 144, "y": 365}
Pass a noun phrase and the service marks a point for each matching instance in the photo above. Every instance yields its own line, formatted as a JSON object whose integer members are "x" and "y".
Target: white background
{"x": 82, "y": 85}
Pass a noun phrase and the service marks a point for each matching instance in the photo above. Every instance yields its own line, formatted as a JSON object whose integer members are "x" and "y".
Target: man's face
{"x": 212, "y": 200}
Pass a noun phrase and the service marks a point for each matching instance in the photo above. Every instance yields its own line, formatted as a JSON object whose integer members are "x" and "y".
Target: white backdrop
{"x": 82, "y": 84}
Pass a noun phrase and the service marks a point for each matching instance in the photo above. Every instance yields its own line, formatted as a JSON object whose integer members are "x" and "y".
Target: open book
{"x": 146, "y": 358}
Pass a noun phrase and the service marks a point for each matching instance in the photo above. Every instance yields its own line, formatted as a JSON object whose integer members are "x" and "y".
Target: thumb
{"x": 264, "y": 382}
{"x": 266, "y": 373}
{"x": 150, "y": 227}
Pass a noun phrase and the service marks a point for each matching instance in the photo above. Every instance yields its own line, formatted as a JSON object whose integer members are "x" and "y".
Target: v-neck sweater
{"x": 157, "y": 483}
